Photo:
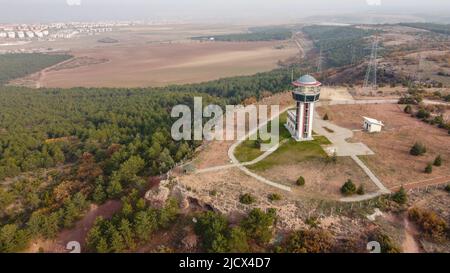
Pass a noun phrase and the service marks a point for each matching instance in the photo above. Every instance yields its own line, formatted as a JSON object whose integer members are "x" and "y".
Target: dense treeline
{"x": 438, "y": 28}
{"x": 254, "y": 35}
{"x": 18, "y": 65}
{"x": 47, "y": 127}
{"x": 100, "y": 143}
{"x": 132, "y": 227}
{"x": 109, "y": 139}
{"x": 340, "y": 45}
{"x": 44, "y": 128}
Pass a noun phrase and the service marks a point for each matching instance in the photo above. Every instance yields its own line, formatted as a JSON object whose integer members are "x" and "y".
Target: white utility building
{"x": 372, "y": 125}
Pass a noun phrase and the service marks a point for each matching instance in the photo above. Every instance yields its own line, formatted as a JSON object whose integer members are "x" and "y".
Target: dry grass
{"x": 392, "y": 162}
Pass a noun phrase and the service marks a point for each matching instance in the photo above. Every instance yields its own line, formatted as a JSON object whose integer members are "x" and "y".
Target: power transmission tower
{"x": 319, "y": 63}
{"x": 417, "y": 74}
{"x": 370, "y": 85}
{"x": 292, "y": 75}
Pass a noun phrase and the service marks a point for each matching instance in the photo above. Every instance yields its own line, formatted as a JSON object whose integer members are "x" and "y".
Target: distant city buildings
{"x": 55, "y": 30}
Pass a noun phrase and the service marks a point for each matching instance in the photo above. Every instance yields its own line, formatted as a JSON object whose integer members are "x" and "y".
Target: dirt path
{"x": 424, "y": 183}
{"x": 410, "y": 244}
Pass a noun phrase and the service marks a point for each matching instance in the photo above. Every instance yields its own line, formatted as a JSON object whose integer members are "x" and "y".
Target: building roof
{"x": 373, "y": 121}
{"x": 306, "y": 80}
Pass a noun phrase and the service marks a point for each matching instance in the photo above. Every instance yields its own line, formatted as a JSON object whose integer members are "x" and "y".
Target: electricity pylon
{"x": 370, "y": 85}
{"x": 320, "y": 60}
{"x": 417, "y": 74}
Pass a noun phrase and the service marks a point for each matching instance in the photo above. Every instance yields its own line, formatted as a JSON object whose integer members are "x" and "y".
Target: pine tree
{"x": 144, "y": 224}
{"x": 361, "y": 190}
{"x": 438, "y": 161}
{"x": 116, "y": 240}
{"x": 127, "y": 209}
{"x": 102, "y": 246}
{"x": 348, "y": 188}
{"x": 418, "y": 149}
{"x": 70, "y": 214}
{"x": 238, "y": 241}
{"x": 300, "y": 181}
{"x": 99, "y": 195}
{"x": 114, "y": 189}
{"x": 127, "y": 234}
{"x": 400, "y": 196}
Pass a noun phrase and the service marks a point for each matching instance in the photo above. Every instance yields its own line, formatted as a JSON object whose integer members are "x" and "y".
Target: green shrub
{"x": 348, "y": 188}
{"x": 423, "y": 114}
{"x": 408, "y": 109}
{"x": 432, "y": 225}
{"x": 310, "y": 241}
{"x": 274, "y": 197}
{"x": 418, "y": 149}
{"x": 438, "y": 161}
{"x": 259, "y": 225}
{"x": 447, "y": 188}
{"x": 212, "y": 228}
{"x": 237, "y": 240}
{"x": 361, "y": 190}
{"x": 325, "y": 117}
{"x": 400, "y": 196}
{"x": 312, "y": 222}
{"x": 439, "y": 120}
{"x": 429, "y": 168}
{"x": 300, "y": 181}
{"x": 247, "y": 199}
{"x": 386, "y": 242}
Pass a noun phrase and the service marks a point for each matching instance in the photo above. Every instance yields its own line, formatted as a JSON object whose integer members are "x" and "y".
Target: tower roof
{"x": 306, "y": 80}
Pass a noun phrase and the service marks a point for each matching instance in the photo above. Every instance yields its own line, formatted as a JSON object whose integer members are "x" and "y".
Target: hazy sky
{"x": 66, "y": 10}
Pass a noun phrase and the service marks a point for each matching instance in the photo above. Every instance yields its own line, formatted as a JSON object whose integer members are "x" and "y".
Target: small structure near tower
{"x": 372, "y": 125}
{"x": 300, "y": 121}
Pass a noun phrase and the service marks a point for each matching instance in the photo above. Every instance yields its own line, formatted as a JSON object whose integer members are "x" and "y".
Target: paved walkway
{"x": 370, "y": 174}
{"x": 338, "y": 137}
{"x": 242, "y": 167}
